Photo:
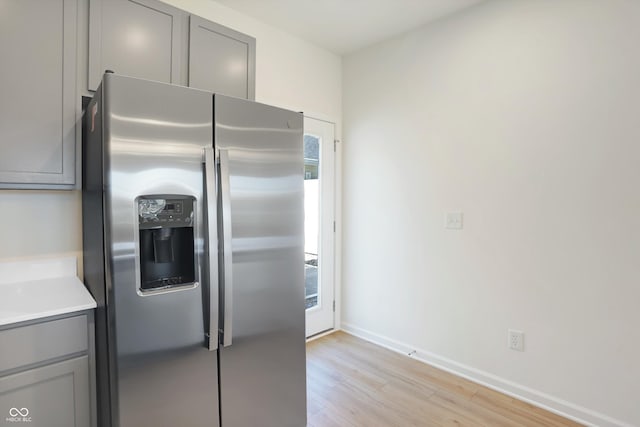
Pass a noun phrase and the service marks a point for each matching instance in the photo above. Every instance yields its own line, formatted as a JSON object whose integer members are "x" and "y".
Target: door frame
{"x": 336, "y": 240}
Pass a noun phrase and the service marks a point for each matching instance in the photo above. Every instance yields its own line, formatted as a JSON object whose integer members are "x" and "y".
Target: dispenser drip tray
{"x": 166, "y": 282}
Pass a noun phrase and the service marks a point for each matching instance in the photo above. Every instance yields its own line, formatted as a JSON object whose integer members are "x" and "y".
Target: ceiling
{"x": 344, "y": 26}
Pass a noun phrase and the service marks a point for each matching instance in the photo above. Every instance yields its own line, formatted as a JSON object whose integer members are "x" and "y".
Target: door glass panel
{"x": 311, "y": 219}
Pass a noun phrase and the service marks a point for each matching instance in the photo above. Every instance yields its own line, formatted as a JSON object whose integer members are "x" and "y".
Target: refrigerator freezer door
{"x": 155, "y": 135}
{"x": 262, "y": 368}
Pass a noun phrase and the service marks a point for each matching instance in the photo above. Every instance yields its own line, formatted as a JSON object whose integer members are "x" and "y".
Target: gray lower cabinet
{"x": 38, "y": 93}
{"x": 55, "y": 395}
{"x": 138, "y": 38}
{"x": 221, "y": 60}
{"x": 47, "y": 372}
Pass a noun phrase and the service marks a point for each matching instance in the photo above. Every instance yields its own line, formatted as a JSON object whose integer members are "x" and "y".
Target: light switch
{"x": 453, "y": 221}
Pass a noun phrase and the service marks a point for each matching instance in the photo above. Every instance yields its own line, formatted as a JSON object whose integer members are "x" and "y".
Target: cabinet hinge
{"x": 334, "y": 306}
{"x": 334, "y": 226}
{"x": 335, "y": 142}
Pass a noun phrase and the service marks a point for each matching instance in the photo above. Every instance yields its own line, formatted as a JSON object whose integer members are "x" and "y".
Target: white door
{"x": 319, "y": 194}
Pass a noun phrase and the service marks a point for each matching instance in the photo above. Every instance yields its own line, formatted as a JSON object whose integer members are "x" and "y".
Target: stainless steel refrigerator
{"x": 193, "y": 248}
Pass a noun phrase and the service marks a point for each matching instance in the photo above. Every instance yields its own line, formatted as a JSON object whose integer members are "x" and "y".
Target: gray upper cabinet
{"x": 39, "y": 100}
{"x": 221, "y": 60}
{"x": 38, "y": 93}
{"x": 138, "y": 38}
{"x": 149, "y": 39}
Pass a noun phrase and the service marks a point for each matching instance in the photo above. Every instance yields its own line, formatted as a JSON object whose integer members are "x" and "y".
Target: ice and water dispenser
{"x": 165, "y": 224}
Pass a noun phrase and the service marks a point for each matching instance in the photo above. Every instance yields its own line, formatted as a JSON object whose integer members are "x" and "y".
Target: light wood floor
{"x": 352, "y": 382}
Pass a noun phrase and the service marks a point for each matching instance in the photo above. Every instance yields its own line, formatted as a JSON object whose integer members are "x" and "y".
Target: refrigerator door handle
{"x": 211, "y": 242}
{"x": 223, "y": 162}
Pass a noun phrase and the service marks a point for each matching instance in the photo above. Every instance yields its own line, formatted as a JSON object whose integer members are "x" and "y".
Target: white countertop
{"x": 41, "y": 288}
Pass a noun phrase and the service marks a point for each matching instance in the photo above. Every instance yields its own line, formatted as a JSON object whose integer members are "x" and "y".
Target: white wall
{"x": 290, "y": 73}
{"x": 525, "y": 115}
{"x": 40, "y": 224}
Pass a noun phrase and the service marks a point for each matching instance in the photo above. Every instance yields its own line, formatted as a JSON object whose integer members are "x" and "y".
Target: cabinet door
{"x": 37, "y": 93}
{"x": 138, "y": 38}
{"x": 54, "y": 395}
{"x": 221, "y": 60}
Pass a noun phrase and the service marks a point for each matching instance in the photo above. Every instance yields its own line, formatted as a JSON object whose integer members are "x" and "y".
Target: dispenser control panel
{"x": 169, "y": 212}
{"x": 166, "y": 242}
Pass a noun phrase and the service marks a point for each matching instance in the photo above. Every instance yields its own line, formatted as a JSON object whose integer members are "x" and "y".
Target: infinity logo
{"x": 14, "y": 412}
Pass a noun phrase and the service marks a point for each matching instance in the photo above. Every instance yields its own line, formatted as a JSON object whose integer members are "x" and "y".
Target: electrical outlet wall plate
{"x": 515, "y": 340}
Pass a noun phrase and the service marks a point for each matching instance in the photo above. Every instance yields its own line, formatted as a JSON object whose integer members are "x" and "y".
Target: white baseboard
{"x": 537, "y": 398}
